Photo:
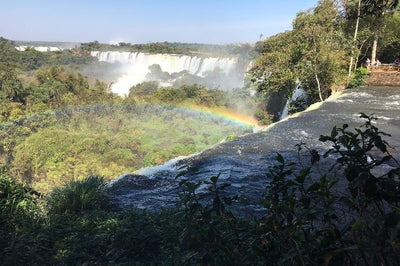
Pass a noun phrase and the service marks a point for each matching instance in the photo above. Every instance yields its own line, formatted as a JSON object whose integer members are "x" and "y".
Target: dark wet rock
{"x": 139, "y": 191}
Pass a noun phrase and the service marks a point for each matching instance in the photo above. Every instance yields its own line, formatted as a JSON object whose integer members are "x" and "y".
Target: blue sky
{"x": 135, "y": 21}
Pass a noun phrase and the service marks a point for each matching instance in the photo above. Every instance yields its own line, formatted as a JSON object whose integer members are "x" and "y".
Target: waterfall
{"x": 297, "y": 93}
{"x": 136, "y": 67}
{"x": 39, "y": 48}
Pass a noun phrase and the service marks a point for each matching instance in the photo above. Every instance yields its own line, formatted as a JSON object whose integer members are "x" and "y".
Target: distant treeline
{"x": 30, "y": 59}
{"x": 242, "y": 50}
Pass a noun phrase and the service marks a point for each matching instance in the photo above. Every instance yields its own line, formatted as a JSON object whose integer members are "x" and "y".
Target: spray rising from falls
{"x": 224, "y": 73}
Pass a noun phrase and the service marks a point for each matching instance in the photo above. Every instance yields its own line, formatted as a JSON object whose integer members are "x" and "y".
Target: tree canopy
{"x": 314, "y": 55}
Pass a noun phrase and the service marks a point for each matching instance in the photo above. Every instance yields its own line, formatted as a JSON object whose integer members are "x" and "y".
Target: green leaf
{"x": 303, "y": 174}
{"x": 183, "y": 182}
{"x": 380, "y": 144}
{"x": 325, "y": 138}
{"x": 300, "y": 178}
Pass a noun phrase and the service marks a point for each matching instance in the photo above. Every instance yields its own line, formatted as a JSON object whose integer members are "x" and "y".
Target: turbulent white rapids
{"x": 136, "y": 66}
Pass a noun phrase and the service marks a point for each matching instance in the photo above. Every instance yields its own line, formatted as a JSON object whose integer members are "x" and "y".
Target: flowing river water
{"x": 244, "y": 161}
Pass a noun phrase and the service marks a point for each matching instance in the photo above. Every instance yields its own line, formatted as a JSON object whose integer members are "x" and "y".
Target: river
{"x": 244, "y": 161}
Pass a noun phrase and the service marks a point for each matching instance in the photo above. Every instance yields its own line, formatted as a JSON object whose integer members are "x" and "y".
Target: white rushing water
{"x": 137, "y": 65}
{"x": 38, "y": 48}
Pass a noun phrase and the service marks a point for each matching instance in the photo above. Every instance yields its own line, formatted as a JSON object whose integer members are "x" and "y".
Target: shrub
{"x": 211, "y": 234}
{"x": 298, "y": 105}
{"x": 20, "y": 219}
{"x": 358, "y": 78}
{"x": 79, "y": 196}
{"x": 101, "y": 237}
{"x": 347, "y": 216}
{"x": 263, "y": 117}
{"x": 17, "y": 201}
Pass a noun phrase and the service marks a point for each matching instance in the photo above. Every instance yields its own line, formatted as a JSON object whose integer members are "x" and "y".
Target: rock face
{"x": 244, "y": 161}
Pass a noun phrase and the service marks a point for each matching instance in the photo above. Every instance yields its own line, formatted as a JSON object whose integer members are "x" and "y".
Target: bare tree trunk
{"x": 351, "y": 64}
{"x": 319, "y": 86}
{"x": 315, "y": 69}
{"x": 374, "y": 47}
{"x": 355, "y": 38}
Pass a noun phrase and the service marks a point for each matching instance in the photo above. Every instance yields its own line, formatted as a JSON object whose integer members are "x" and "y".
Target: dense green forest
{"x": 44, "y": 100}
{"x": 64, "y": 135}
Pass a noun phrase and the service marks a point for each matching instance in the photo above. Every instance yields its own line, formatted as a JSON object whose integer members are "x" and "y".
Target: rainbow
{"x": 222, "y": 113}
{"x": 237, "y": 118}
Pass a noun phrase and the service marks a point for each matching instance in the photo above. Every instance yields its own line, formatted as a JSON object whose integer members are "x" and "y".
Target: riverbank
{"x": 378, "y": 77}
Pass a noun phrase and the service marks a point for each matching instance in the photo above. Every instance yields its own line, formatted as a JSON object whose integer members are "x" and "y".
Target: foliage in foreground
{"x": 348, "y": 215}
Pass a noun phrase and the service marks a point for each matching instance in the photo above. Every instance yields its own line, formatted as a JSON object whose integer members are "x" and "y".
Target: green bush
{"x": 263, "y": 117}
{"x": 17, "y": 201}
{"x": 358, "y": 78}
{"x": 211, "y": 234}
{"x": 79, "y": 196}
{"x": 347, "y": 216}
{"x": 298, "y": 105}
{"x": 104, "y": 237}
{"x": 21, "y": 215}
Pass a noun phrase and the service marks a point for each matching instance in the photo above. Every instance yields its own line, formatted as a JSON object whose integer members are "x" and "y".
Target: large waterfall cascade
{"x": 136, "y": 66}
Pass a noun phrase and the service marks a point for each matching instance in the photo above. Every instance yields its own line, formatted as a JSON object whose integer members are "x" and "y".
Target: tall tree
{"x": 322, "y": 44}
{"x": 389, "y": 47}
{"x": 272, "y": 72}
{"x": 378, "y": 9}
{"x": 355, "y": 37}
{"x": 312, "y": 54}
{"x": 10, "y": 86}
